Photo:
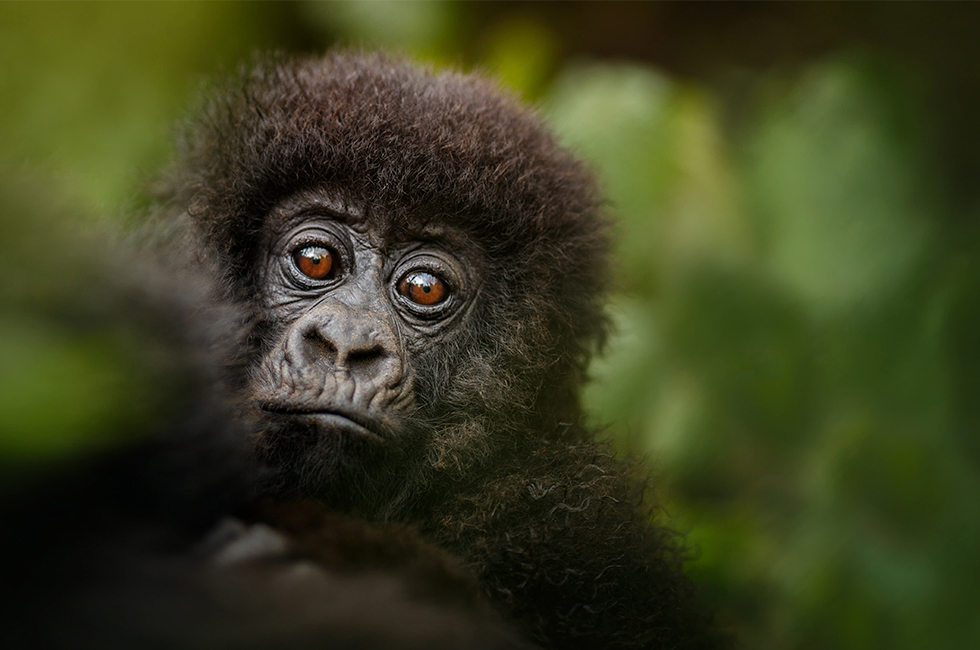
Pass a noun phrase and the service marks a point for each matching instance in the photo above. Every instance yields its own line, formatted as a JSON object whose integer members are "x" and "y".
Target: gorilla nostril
{"x": 317, "y": 348}
{"x": 366, "y": 362}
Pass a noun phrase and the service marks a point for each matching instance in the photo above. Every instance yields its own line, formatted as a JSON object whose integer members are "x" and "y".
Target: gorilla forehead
{"x": 384, "y": 131}
{"x": 378, "y": 225}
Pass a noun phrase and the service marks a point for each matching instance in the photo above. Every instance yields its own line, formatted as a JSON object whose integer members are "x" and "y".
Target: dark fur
{"x": 114, "y": 546}
{"x": 508, "y": 477}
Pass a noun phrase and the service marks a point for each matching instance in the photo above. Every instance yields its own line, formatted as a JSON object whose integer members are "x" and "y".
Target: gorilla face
{"x": 356, "y": 305}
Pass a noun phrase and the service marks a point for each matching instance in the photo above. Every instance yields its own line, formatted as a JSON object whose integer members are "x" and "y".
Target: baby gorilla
{"x": 426, "y": 269}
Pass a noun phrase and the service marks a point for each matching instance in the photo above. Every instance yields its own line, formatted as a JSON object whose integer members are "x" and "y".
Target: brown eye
{"x": 423, "y": 288}
{"x": 314, "y": 262}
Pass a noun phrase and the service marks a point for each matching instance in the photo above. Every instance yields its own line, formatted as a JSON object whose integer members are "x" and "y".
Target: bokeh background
{"x": 797, "y": 353}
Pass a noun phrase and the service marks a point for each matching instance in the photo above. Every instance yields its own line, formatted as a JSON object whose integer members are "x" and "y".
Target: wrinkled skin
{"x": 338, "y": 378}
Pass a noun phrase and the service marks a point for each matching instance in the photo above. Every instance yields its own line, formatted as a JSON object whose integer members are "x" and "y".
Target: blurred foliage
{"x": 786, "y": 348}
{"x": 797, "y": 314}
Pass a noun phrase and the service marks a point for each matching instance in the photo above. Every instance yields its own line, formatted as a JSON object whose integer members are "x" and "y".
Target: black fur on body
{"x": 485, "y": 451}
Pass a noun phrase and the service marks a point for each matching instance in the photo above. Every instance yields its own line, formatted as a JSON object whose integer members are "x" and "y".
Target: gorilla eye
{"x": 315, "y": 262}
{"x": 423, "y": 288}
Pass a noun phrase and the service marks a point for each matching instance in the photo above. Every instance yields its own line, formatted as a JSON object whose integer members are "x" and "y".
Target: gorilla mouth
{"x": 329, "y": 420}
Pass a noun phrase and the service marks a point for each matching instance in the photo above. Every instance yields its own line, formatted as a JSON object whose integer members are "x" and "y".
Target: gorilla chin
{"x": 329, "y": 456}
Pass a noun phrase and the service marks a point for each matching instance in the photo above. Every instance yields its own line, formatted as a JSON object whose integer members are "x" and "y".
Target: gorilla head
{"x": 427, "y": 264}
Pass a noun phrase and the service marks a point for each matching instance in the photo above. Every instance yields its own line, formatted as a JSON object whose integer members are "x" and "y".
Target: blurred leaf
{"x": 88, "y": 91}
{"x": 619, "y": 118}
{"x": 422, "y": 28}
{"x": 520, "y": 52}
{"x": 60, "y": 392}
{"x": 837, "y": 190}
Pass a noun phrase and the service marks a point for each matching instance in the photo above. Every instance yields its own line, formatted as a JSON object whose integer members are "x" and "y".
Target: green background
{"x": 797, "y": 298}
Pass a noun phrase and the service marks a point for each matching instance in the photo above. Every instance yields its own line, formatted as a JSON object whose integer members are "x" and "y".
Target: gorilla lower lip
{"x": 328, "y": 420}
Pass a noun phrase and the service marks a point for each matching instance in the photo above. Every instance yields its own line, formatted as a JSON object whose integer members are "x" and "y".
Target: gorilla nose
{"x": 342, "y": 339}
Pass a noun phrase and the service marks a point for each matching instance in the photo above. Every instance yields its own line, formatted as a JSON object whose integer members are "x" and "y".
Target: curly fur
{"x": 508, "y": 479}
